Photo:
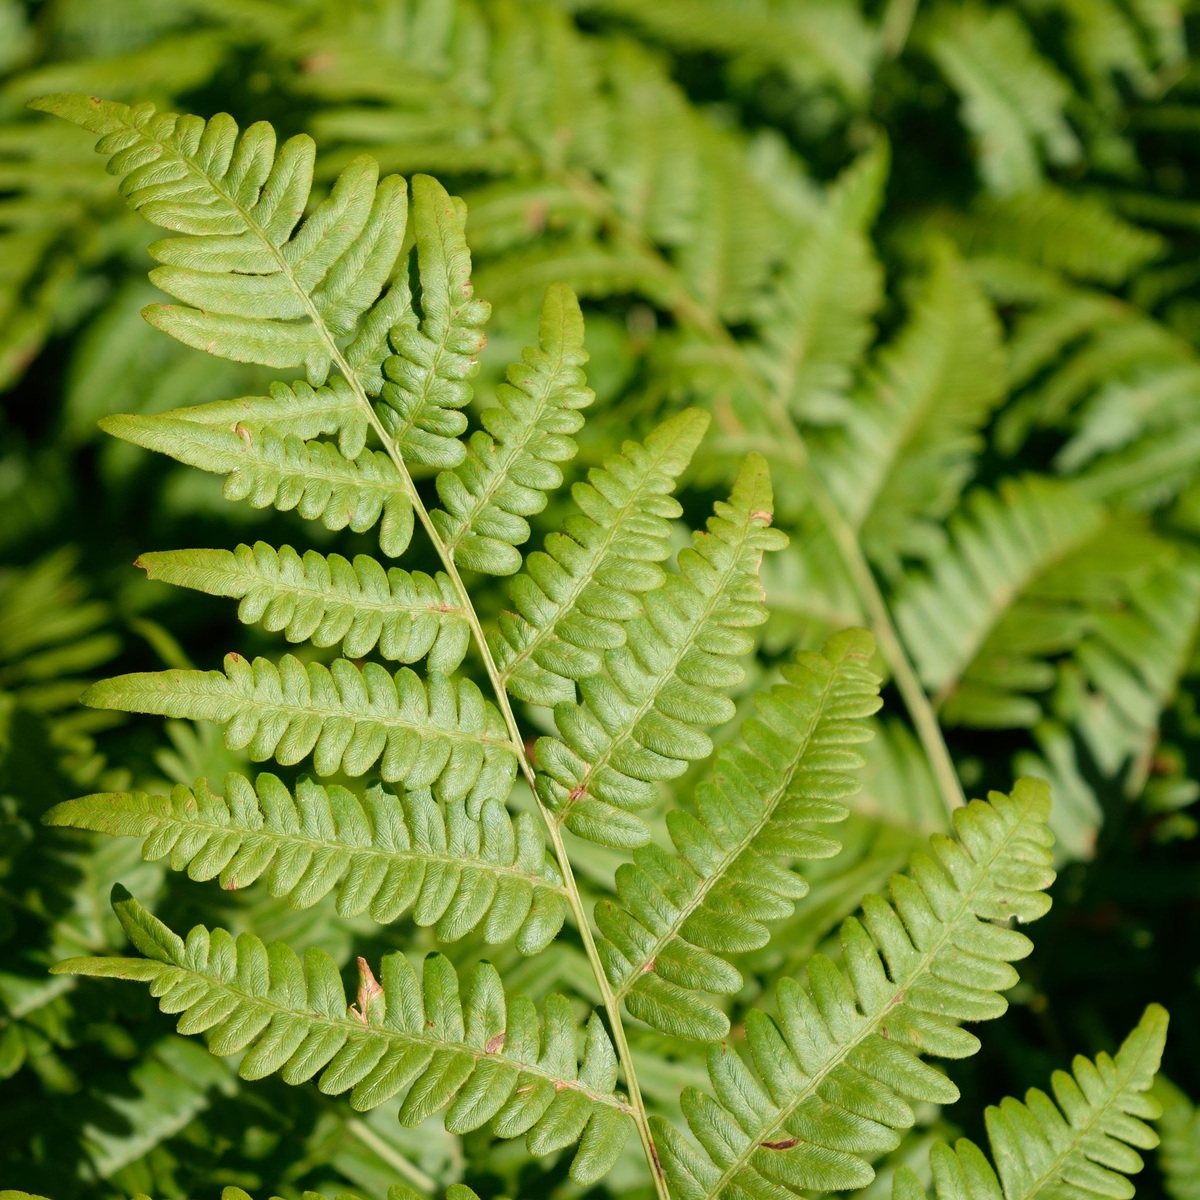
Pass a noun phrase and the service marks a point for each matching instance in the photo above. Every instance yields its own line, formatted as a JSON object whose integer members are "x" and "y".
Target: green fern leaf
{"x": 644, "y": 719}
{"x": 254, "y": 287}
{"x": 384, "y": 854}
{"x": 909, "y": 442}
{"x": 574, "y": 598}
{"x": 438, "y": 733}
{"x": 682, "y": 914}
{"x": 491, "y": 1060}
{"x": 836, "y": 1072}
{"x": 977, "y": 646}
{"x": 1080, "y": 1144}
{"x": 1013, "y": 98}
{"x": 510, "y": 467}
{"x": 265, "y": 469}
{"x": 818, "y": 320}
{"x": 327, "y": 599}
{"x": 1179, "y": 1153}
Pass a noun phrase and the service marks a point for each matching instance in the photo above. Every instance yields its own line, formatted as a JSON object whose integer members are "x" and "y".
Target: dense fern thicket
{"x": 646, "y": 390}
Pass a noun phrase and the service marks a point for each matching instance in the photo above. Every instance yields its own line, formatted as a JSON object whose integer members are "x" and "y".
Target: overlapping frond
{"x": 510, "y": 467}
{"x": 327, "y": 599}
{"x": 1082, "y": 1143}
{"x": 492, "y": 1060}
{"x": 1179, "y": 1153}
{"x": 837, "y": 1069}
{"x": 574, "y": 598}
{"x": 644, "y": 719}
{"x": 980, "y": 622}
{"x": 435, "y": 732}
{"x": 1013, "y": 98}
{"x": 909, "y": 441}
{"x": 758, "y": 809}
{"x": 383, "y": 854}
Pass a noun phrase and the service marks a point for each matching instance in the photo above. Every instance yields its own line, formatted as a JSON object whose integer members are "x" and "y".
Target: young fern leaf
{"x": 439, "y": 732}
{"x": 490, "y": 1059}
{"x": 384, "y": 854}
{"x": 1078, "y": 1145}
{"x": 680, "y": 915}
{"x": 837, "y": 1069}
{"x": 643, "y": 720}
{"x": 327, "y": 599}
{"x": 314, "y": 478}
{"x": 510, "y": 467}
{"x": 255, "y": 288}
{"x": 574, "y": 598}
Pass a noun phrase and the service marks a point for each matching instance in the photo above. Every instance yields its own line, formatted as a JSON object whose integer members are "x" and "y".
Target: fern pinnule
{"x": 643, "y": 720}
{"x": 574, "y": 598}
{"x": 511, "y": 462}
{"x": 679, "y": 916}
{"x": 490, "y": 1059}
{"x": 383, "y": 854}
{"x": 836, "y": 1071}
{"x": 327, "y": 599}
{"x": 437, "y": 732}
{"x": 1080, "y": 1144}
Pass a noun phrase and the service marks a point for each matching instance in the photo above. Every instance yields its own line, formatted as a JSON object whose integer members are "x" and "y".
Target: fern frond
{"x": 254, "y": 287}
{"x": 1179, "y": 1153}
{"x": 1013, "y": 99}
{"x": 976, "y": 625}
{"x": 384, "y": 854}
{"x": 836, "y": 1071}
{"x": 909, "y": 442}
{"x": 490, "y": 1059}
{"x": 510, "y": 467}
{"x": 1080, "y": 1144}
{"x": 819, "y": 316}
{"x": 643, "y": 720}
{"x": 327, "y": 599}
{"x": 438, "y": 732}
{"x": 313, "y": 478}
{"x": 573, "y": 599}
{"x": 681, "y": 915}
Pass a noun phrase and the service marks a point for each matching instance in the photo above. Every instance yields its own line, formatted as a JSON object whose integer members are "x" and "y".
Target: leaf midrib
{"x": 711, "y": 880}
{"x": 870, "y": 1023}
{"x": 664, "y": 677}
{"x": 355, "y": 1028}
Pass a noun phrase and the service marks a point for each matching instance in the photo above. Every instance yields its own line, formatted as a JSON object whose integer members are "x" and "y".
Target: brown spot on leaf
{"x": 783, "y": 1144}
{"x": 494, "y": 1044}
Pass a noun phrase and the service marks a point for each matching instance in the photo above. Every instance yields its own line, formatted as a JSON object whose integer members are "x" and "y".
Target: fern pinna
{"x": 634, "y": 657}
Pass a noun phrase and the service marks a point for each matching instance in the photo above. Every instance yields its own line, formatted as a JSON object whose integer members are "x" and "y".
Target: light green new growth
{"x": 1079, "y": 1144}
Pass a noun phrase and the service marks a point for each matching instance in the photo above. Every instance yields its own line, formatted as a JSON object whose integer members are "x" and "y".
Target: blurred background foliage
{"x": 943, "y": 254}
